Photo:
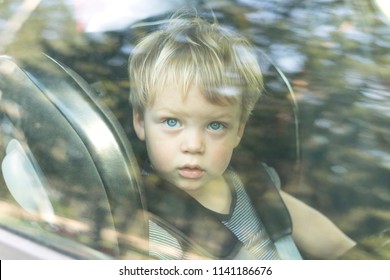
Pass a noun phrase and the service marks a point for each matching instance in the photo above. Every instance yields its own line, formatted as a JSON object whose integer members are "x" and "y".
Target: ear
{"x": 139, "y": 125}
{"x": 240, "y": 132}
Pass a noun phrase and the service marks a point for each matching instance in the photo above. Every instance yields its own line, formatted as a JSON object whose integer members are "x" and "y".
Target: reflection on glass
{"x": 339, "y": 73}
{"x": 384, "y": 6}
{"x": 24, "y": 181}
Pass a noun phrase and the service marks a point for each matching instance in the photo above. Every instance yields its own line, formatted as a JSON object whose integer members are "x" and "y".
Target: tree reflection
{"x": 335, "y": 54}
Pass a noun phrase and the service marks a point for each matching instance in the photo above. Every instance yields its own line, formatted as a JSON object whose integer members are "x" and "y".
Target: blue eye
{"x": 216, "y": 126}
{"x": 172, "y": 122}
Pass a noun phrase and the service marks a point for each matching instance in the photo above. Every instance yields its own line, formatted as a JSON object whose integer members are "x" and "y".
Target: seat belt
{"x": 266, "y": 200}
{"x": 262, "y": 185}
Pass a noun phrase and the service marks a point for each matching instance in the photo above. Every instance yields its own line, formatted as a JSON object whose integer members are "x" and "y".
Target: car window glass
{"x": 334, "y": 55}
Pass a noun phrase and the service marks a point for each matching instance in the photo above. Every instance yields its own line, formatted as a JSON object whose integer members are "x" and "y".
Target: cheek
{"x": 220, "y": 157}
{"x": 160, "y": 153}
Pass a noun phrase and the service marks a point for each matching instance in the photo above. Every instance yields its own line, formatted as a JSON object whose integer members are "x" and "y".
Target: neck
{"x": 215, "y": 196}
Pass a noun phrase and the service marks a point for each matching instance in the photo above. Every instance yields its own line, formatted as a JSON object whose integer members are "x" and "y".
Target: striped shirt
{"x": 242, "y": 221}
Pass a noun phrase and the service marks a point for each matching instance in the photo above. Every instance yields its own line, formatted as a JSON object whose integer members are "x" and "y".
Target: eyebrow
{"x": 216, "y": 115}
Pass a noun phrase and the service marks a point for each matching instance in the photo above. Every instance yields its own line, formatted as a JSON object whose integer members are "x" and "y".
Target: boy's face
{"x": 189, "y": 140}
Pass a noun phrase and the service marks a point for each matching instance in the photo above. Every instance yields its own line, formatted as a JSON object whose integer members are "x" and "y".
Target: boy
{"x": 193, "y": 87}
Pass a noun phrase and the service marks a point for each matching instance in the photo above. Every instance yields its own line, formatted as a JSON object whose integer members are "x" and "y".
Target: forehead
{"x": 185, "y": 86}
{"x": 194, "y": 101}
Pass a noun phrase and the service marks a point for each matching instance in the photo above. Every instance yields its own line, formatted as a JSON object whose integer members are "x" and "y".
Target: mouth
{"x": 191, "y": 171}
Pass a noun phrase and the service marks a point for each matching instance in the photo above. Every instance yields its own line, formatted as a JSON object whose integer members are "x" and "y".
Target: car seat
{"x": 66, "y": 163}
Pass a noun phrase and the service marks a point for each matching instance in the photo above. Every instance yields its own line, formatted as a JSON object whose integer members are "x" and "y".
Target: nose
{"x": 193, "y": 141}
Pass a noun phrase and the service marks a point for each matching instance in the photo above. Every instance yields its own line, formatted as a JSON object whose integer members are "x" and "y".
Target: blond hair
{"x": 192, "y": 52}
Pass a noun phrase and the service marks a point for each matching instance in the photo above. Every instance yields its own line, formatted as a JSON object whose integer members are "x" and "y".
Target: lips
{"x": 191, "y": 172}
